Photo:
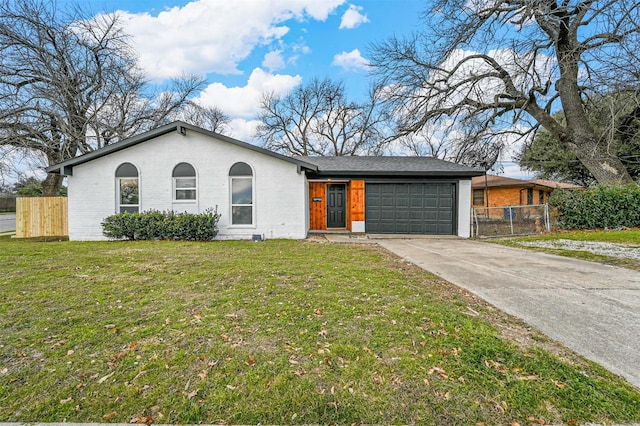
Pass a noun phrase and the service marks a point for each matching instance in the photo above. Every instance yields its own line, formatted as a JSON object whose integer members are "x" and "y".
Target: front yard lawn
{"x": 275, "y": 332}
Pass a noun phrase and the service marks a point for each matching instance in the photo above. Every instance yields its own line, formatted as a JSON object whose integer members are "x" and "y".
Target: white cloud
{"x": 214, "y": 35}
{"x": 243, "y": 102}
{"x": 352, "y": 18}
{"x": 350, "y": 61}
{"x": 243, "y": 130}
{"x": 273, "y": 60}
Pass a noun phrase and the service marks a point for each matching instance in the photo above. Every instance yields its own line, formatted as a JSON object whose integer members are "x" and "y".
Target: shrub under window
{"x": 166, "y": 225}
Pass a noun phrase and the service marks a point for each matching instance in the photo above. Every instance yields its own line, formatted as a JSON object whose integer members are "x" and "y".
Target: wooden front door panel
{"x": 336, "y": 206}
{"x": 317, "y": 206}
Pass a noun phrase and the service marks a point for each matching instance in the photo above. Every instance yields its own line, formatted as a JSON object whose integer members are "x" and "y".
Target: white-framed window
{"x": 185, "y": 183}
{"x": 128, "y": 188}
{"x": 242, "y": 205}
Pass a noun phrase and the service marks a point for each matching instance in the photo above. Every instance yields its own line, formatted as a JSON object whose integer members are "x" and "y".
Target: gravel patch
{"x": 606, "y": 249}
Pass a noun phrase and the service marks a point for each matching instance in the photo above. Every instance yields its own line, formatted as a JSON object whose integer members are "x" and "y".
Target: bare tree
{"x": 506, "y": 62}
{"x": 463, "y": 143}
{"x": 208, "y": 117}
{"x": 318, "y": 119}
{"x": 70, "y": 84}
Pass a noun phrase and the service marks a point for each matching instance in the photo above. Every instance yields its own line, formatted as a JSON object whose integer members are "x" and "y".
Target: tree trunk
{"x": 581, "y": 137}
{"x": 606, "y": 168}
{"x": 52, "y": 184}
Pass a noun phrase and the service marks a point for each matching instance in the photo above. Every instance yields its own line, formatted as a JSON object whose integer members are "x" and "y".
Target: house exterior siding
{"x": 503, "y": 191}
{"x": 278, "y": 186}
{"x": 513, "y": 196}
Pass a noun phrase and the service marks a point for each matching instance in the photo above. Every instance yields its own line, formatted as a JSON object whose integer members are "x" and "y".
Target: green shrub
{"x": 165, "y": 225}
{"x": 598, "y": 207}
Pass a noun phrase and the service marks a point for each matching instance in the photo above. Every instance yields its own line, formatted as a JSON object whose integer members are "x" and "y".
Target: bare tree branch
{"x": 502, "y": 62}
{"x": 70, "y": 83}
{"x": 317, "y": 119}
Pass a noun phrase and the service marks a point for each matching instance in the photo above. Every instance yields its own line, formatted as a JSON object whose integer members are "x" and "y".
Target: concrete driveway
{"x": 7, "y": 222}
{"x": 591, "y": 308}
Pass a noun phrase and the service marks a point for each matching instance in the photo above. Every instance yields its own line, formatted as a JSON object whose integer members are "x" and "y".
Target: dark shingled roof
{"x": 388, "y": 166}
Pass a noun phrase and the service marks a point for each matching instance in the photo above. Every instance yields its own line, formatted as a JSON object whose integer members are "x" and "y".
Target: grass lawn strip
{"x": 274, "y": 332}
{"x": 625, "y": 240}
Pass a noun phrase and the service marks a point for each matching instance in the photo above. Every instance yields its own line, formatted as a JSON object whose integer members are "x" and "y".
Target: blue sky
{"x": 247, "y": 47}
{"x": 313, "y": 41}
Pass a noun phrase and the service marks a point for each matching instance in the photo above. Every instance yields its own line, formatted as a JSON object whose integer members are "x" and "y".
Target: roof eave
{"x": 398, "y": 173}
{"x": 66, "y": 167}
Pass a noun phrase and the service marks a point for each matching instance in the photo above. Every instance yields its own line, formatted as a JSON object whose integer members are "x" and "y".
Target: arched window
{"x": 184, "y": 182}
{"x": 128, "y": 197}
{"x": 241, "y": 176}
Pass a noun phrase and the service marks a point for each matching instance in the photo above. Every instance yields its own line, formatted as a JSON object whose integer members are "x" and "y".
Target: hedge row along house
{"x": 260, "y": 193}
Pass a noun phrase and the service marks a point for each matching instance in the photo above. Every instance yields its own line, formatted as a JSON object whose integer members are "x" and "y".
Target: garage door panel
{"x": 402, "y": 201}
{"x": 401, "y": 189}
{"x": 415, "y": 215}
{"x": 401, "y": 215}
{"x": 431, "y": 216}
{"x": 410, "y": 208}
{"x": 416, "y": 189}
{"x": 431, "y": 203}
{"x": 444, "y": 217}
{"x": 387, "y": 215}
{"x": 431, "y": 189}
{"x": 416, "y": 203}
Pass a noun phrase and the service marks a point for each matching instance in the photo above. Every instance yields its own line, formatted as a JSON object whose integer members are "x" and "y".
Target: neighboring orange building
{"x": 498, "y": 191}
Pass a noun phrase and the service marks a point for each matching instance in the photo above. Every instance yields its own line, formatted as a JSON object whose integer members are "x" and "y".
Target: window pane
{"x": 185, "y": 194}
{"x": 184, "y": 169}
{"x": 129, "y": 209}
{"x": 128, "y": 191}
{"x": 478, "y": 197}
{"x": 126, "y": 170}
{"x": 240, "y": 169}
{"x": 241, "y": 215}
{"x": 182, "y": 183}
{"x": 241, "y": 191}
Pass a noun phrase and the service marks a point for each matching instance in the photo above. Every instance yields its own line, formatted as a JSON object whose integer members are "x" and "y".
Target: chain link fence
{"x": 510, "y": 220}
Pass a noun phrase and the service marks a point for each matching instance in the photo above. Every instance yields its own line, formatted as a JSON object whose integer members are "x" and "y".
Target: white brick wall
{"x": 279, "y": 191}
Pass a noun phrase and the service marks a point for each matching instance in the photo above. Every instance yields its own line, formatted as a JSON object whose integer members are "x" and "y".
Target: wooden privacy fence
{"x": 41, "y": 217}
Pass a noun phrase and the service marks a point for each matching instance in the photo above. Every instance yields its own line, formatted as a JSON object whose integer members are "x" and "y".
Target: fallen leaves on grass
{"x": 105, "y": 378}
{"x": 439, "y": 371}
{"x": 142, "y": 420}
{"x": 192, "y": 394}
{"x": 110, "y": 415}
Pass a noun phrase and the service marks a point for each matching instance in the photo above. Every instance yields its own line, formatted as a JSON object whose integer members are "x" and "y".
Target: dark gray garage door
{"x": 410, "y": 208}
